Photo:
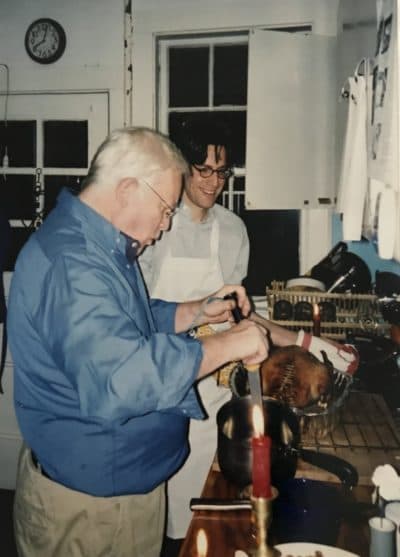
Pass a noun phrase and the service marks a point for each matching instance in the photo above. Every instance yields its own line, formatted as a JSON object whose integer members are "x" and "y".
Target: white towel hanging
{"x": 354, "y": 175}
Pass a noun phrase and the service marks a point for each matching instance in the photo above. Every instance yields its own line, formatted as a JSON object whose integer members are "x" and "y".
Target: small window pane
{"x": 188, "y": 76}
{"x": 19, "y": 236}
{"x": 54, "y": 184}
{"x": 65, "y": 144}
{"x": 17, "y": 196}
{"x": 20, "y": 139}
{"x": 230, "y": 75}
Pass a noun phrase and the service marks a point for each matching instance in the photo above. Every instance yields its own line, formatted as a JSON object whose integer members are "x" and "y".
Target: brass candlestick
{"x": 261, "y": 519}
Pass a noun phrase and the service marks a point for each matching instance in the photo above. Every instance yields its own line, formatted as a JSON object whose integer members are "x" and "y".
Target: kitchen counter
{"x": 365, "y": 437}
{"x": 228, "y": 531}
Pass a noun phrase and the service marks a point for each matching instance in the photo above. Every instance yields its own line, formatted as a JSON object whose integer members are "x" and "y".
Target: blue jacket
{"x": 102, "y": 385}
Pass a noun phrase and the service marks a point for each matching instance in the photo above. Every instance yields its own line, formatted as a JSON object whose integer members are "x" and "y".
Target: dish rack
{"x": 355, "y": 313}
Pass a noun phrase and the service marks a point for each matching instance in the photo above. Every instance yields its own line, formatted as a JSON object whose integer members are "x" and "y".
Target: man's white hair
{"x": 133, "y": 152}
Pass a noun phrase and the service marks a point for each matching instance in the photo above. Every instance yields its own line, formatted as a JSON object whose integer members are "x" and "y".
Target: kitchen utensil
{"x": 386, "y": 284}
{"x": 303, "y": 311}
{"x": 320, "y": 419}
{"x": 305, "y": 283}
{"x": 382, "y": 532}
{"x": 392, "y": 512}
{"x": 211, "y": 504}
{"x": 337, "y": 263}
{"x": 253, "y": 371}
{"x": 235, "y": 431}
{"x": 283, "y": 310}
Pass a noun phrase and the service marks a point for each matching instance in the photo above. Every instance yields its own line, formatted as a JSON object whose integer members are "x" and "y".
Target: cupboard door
{"x": 292, "y": 98}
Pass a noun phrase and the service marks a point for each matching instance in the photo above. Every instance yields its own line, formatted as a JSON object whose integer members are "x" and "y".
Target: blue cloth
{"x": 102, "y": 386}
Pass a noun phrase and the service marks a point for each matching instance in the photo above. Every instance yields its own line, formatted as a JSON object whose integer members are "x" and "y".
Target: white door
{"x": 290, "y": 144}
{"x": 49, "y": 140}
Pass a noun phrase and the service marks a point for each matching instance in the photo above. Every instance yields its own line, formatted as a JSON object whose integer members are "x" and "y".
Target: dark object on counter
{"x": 303, "y": 311}
{"x": 390, "y": 310}
{"x": 235, "y": 431}
{"x": 338, "y": 263}
{"x": 386, "y": 284}
{"x": 307, "y": 511}
{"x": 379, "y": 369}
{"x": 328, "y": 311}
{"x": 387, "y": 289}
{"x": 283, "y": 310}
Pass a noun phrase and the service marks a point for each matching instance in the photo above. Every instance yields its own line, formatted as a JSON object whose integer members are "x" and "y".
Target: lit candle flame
{"x": 202, "y": 543}
{"x": 258, "y": 421}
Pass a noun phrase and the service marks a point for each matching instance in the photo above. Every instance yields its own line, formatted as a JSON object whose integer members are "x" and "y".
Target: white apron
{"x": 182, "y": 279}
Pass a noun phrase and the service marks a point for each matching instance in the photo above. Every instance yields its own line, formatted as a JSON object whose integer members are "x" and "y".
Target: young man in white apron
{"x": 206, "y": 247}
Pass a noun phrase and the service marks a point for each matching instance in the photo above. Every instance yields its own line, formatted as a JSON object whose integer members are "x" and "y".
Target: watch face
{"x": 45, "y": 41}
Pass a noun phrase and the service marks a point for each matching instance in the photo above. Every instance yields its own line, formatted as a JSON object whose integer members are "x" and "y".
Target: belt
{"x": 38, "y": 466}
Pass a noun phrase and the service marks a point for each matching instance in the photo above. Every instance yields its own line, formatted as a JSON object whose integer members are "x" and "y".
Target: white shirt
{"x": 193, "y": 240}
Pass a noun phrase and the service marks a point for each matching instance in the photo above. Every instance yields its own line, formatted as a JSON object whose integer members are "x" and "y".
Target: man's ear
{"x": 125, "y": 188}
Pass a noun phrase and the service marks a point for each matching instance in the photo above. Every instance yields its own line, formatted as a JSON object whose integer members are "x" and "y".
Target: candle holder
{"x": 261, "y": 520}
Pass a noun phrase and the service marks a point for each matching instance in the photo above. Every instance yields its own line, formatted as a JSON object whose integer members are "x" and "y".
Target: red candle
{"x": 316, "y": 321}
{"x": 261, "y": 445}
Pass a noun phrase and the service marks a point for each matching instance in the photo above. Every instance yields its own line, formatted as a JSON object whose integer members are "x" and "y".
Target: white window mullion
{"x": 210, "y": 78}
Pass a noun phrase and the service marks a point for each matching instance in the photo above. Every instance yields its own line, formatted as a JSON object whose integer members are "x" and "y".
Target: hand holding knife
{"x": 253, "y": 370}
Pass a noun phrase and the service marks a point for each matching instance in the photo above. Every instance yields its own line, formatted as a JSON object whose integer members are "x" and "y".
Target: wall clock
{"x": 45, "y": 40}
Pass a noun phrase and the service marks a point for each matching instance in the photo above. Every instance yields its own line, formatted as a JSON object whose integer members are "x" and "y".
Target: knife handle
{"x": 237, "y": 314}
{"x": 252, "y": 367}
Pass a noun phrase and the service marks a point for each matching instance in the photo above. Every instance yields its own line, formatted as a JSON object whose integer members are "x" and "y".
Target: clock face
{"x": 45, "y": 41}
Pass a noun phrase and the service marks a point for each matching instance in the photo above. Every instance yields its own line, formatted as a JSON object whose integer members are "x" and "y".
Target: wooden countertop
{"x": 365, "y": 436}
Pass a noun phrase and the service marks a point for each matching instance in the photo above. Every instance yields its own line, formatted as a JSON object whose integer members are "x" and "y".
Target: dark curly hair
{"x": 200, "y": 130}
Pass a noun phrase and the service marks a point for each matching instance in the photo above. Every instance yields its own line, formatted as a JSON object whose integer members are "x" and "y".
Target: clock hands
{"x": 44, "y": 37}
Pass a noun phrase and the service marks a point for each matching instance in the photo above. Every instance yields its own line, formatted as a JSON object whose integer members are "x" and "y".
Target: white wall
{"x": 93, "y": 59}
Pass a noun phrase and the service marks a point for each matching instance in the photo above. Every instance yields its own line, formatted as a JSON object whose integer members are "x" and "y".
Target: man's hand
{"x": 217, "y": 310}
{"x": 245, "y": 341}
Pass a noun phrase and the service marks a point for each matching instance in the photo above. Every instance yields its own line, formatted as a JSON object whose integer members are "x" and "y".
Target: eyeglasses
{"x": 170, "y": 211}
{"x": 207, "y": 171}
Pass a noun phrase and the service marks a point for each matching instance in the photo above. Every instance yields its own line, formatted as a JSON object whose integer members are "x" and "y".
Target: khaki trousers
{"x": 51, "y": 520}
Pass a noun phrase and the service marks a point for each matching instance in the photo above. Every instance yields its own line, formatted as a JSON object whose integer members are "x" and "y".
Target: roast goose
{"x": 295, "y": 376}
{"x": 292, "y": 375}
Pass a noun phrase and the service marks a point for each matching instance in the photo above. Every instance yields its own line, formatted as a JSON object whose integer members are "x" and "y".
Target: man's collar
{"x": 131, "y": 247}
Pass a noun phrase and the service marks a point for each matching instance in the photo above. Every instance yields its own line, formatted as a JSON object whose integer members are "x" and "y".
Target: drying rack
{"x": 366, "y": 436}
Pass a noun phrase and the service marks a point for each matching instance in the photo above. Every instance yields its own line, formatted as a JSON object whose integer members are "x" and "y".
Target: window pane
{"x": 17, "y": 196}
{"x": 19, "y": 236}
{"x": 20, "y": 139}
{"x": 65, "y": 144}
{"x": 188, "y": 76}
{"x": 54, "y": 184}
{"x": 274, "y": 247}
{"x": 230, "y": 75}
{"x": 235, "y": 121}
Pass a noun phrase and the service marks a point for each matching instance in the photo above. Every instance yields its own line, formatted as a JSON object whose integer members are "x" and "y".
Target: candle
{"x": 201, "y": 543}
{"x": 261, "y": 445}
{"x": 316, "y": 321}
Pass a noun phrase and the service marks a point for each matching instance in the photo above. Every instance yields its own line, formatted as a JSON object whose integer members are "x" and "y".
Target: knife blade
{"x": 253, "y": 374}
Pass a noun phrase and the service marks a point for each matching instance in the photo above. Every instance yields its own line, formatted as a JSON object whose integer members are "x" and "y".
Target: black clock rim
{"x": 61, "y": 48}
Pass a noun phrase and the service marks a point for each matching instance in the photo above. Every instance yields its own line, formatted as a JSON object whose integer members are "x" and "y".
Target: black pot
{"x": 234, "y": 451}
{"x": 338, "y": 263}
